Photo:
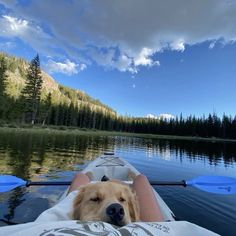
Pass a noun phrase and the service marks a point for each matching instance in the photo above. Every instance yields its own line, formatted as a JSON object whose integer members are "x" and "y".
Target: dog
{"x": 111, "y": 201}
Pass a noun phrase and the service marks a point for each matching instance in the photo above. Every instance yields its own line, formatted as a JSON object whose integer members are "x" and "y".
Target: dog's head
{"x": 110, "y": 202}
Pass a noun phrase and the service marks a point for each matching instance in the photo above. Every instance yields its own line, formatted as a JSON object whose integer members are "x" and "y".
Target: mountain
{"x": 16, "y": 76}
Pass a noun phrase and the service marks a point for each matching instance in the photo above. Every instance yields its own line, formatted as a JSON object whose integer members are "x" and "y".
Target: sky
{"x": 140, "y": 57}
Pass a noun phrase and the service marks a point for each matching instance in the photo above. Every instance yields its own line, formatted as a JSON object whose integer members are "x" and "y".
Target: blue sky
{"x": 139, "y": 57}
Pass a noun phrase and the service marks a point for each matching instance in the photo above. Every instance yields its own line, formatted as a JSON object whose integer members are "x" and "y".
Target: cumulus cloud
{"x": 131, "y": 32}
{"x": 68, "y": 67}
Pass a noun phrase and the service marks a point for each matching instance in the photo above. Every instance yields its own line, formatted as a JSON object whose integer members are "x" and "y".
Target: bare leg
{"x": 149, "y": 208}
{"x": 78, "y": 180}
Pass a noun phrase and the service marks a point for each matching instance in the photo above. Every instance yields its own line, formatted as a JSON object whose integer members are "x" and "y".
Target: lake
{"x": 58, "y": 155}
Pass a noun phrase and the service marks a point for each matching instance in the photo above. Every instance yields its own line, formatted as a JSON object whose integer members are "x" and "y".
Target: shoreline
{"x": 85, "y": 131}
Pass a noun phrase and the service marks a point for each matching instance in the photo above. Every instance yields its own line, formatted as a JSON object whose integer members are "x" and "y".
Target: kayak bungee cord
{"x": 113, "y": 160}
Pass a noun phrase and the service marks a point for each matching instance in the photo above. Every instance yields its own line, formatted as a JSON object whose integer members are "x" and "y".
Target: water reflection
{"x": 31, "y": 155}
{"x": 28, "y": 155}
{"x": 15, "y": 200}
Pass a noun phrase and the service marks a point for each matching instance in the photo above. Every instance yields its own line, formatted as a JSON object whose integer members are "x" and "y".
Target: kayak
{"x": 57, "y": 221}
{"x": 114, "y": 167}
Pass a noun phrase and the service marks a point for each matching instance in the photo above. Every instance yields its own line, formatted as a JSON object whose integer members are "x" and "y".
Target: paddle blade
{"x": 9, "y": 182}
{"x": 214, "y": 184}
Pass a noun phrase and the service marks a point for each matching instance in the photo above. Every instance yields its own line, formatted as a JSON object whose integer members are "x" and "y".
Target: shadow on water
{"x": 43, "y": 156}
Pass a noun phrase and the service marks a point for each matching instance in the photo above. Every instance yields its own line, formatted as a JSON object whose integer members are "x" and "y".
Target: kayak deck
{"x": 115, "y": 167}
{"x": 110, "y": 166}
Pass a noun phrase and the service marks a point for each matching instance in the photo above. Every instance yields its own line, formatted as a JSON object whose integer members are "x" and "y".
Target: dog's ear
{"x": 133, "y": 207}
{"x": 76, "y": 204}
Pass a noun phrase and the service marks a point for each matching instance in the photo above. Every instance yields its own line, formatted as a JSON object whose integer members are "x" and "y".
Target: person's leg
{"x": 78, "y": 180}
{"x": 149, "y": 208}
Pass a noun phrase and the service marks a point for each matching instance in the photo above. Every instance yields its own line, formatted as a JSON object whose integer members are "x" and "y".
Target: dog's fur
{"x": 93, "y": 199}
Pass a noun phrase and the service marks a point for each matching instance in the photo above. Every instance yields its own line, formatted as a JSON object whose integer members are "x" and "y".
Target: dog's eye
{"x": 121, "y": 199}
{"x": 95, "y": 199}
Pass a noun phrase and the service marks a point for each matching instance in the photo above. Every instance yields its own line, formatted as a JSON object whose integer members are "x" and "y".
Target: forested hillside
{"x": 29, "y": 95}
{"x": 16, "y": 76}
{"x": 65, "y": 103}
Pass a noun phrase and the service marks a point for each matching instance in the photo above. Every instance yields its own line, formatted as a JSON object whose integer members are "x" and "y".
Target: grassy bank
{"x": 83, "y": 131}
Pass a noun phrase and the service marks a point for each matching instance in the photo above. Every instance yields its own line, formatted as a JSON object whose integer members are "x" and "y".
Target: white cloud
{"x": 144, "y": 58}
{"x": 151, "y": 116}
{"x": 131, "y": 32}
{"x": 30, "y": 33}
{"x": 104, "y": 58}
{"x": 82, "y": 66}
{"x": 16, "y": 25}
{"x": 124, "y": 63}
{"x": 212, "y": 45}
{"x": 166, "y": 116}
{"x": 178, "y": 45}
{"x": 161, "y": 116}
{"x": 68, "y": 67}
{"x": 109, "y": 60}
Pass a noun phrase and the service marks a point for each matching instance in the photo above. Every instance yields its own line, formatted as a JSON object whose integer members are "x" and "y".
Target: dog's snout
{"x": 115, "y": 210}
{"x": 116, "y": 213}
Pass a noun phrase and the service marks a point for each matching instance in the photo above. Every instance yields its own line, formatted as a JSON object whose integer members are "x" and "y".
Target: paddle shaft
{"x": 170, "y": 183}
{"x": 58, "y": 183}
{"x": 45, "y": 183}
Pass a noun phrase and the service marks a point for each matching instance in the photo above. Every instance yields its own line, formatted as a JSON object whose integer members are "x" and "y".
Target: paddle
{"x": 9, "y": 182}
{"x": 211, "y": 184}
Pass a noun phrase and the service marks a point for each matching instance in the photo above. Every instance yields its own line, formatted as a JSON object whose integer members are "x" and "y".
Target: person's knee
{"x": 81, "y": 177}
{"x": 78, "y": 180}
{"x": 141, "y": 178}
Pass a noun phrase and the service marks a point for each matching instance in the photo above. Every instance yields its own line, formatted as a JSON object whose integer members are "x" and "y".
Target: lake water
{"x": 45, "y": 156}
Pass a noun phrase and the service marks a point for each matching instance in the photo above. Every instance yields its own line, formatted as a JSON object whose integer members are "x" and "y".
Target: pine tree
{"x": 3, "y": 76}
{"x": 3, "y": 69}
{"x": 45, "y": 109}
{"x": 32, "y": 91}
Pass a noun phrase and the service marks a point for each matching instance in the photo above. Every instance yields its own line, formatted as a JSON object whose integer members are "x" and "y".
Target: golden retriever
{"x": 110, "y": 201}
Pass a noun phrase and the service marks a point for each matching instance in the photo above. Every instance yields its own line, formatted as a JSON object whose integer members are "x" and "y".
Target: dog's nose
{"x": 116, "y": 213}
